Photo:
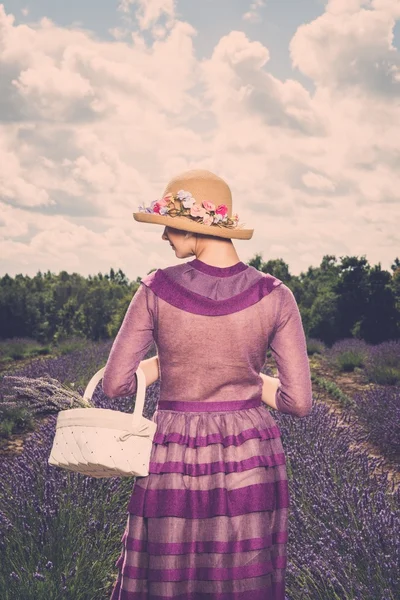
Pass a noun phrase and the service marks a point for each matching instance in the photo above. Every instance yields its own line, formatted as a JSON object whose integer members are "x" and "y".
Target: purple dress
{"x": 210, "y": 521}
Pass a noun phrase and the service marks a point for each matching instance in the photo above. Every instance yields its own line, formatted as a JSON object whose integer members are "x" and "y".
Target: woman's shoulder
{"x": 185, "y": 274}
{"x": 191, "y": 290}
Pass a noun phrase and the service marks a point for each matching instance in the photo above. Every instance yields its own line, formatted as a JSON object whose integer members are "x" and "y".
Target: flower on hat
{"x": 161, "y": 206}
{"x": 208, "y": 219}
{"x": 222, "y": 209}
{"x": 209, "y": 206}
{"x": 197, "y": 211}
{"x": 188, "y": 202}
{"x": 166, "y": 200}
{"x": 182, "y": 195}
{"x": 206, "y": 214}
{"x": 142, "y": 208}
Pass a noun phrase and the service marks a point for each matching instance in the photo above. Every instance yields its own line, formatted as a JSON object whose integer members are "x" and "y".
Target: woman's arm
{"x": 289, "y": 350}
{"x": 150, "y": 368}
{"x": 270, "y": 385}
{"x": 133, "y": 341}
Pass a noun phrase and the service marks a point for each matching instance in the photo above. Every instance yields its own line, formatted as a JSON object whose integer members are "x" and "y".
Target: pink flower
{"x": 209, "y": 206}
{"x": 166, "y": 200}
{"x": 197, "y": 211}
{"x": 219, "y": 216}
{"x": 207, "y": 219}
{"x": 222, "y": 210}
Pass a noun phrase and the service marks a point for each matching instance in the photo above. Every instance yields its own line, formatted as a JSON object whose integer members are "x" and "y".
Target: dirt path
{"x": 350, "y": 384}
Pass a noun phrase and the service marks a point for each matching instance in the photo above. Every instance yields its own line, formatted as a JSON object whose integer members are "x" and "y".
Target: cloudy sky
{"x": 296, "y": 103}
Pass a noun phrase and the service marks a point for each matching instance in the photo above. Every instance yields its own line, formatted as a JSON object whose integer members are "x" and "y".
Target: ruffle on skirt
{"x": 209, "y": 522}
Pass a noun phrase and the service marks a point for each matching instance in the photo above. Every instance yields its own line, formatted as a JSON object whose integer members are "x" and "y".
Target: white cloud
{"x": 253, "y": 14}
{"x": 90, "y": 128}
{"x": 12, "y": 221}
{"x": 15, "y": 180}
{"x": 349, "y": 48}
{"x": 237, "y": 82}
{"x": 125, "y": 5}
{"x": 318, "y": 182}
{"x": 147, "y": 12}
{"x": 390, "y": 7}
{"x": 119, "y": 33}
{"x": 337, "y": 7}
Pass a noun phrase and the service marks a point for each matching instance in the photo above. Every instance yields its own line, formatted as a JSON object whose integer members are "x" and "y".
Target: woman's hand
{"x": 270, "y": 385}
{"x": 151, "y": 369}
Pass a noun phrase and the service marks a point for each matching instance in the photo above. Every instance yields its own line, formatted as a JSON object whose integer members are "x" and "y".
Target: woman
{"x": 210, "y": 521}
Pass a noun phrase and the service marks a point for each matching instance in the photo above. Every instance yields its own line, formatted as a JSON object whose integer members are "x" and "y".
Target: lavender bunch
{"x": 43, "y": 395}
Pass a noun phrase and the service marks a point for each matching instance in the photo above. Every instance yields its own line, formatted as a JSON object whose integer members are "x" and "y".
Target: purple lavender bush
{"x": 74, "y": 369}
{"x": 344, "y": 524}
{"x": 347, "y": 354}
{"x": 56, "y": 527}
{"x": 70, "y": 371}
{"x": 378, "y": 416}
{"x": 315, "y": 346}
{"x": 383, "y": 363}
{"x": 60, "y": 532}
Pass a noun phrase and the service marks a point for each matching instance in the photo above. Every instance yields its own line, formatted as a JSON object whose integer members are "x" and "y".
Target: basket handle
{"x": 140, "y": 394}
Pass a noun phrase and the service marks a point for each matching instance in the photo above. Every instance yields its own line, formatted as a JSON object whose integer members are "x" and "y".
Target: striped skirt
{"x": 210, "y": 521}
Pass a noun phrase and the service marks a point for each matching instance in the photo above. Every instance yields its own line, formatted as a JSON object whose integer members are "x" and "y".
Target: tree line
{"x": 339, "y": 299}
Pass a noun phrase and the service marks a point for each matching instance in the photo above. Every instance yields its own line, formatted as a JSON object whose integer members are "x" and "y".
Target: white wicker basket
{"x": 101, "y": 442}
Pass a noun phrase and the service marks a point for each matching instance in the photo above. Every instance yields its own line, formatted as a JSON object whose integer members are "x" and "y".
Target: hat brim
{"x": 186, "y": 224}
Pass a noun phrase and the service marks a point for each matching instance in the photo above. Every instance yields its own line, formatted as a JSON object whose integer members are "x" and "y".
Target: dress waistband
{"x": 219, "y": 406}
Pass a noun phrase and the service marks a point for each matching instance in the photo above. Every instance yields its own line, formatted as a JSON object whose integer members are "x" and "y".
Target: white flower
{"x": 188, "y": 202}
{"x": 182, "y": 195}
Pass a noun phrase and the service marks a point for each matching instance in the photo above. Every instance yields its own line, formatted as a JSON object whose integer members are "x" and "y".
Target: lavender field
{"x": 60, "y": 532}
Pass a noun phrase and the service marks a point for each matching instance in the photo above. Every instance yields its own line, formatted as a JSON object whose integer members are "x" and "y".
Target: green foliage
{"x": 50, "y": 309}
{"x": 67, "y": 345}
{"x": 383, "y": 370}
{"x": 386, "y": 375}
{"x": 332, "y": 389}
{"x": 15, "y": 420}
{"x": 339, "y": 299}
{"x": 349, "y": 360}
{"x": 315, "y": 347}
{"x": 21, "y": 348}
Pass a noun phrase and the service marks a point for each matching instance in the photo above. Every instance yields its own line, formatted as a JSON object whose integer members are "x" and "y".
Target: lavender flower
{"x": 57, "y": 526}
{"x": 184, "y": 196}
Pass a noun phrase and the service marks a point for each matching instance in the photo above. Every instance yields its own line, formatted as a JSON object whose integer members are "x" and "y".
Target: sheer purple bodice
{"x": 212, "y": 328}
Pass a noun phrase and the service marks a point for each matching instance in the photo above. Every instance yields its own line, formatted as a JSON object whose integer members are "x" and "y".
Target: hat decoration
{"x": 207, "y": 213}
{"x": 197, "y": 201}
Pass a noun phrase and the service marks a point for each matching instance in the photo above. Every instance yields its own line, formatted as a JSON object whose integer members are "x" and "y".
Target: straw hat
{"x": 196, "y": 201}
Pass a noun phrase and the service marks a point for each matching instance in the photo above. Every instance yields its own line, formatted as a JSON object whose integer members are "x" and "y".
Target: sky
{"x": 295, "y": 103}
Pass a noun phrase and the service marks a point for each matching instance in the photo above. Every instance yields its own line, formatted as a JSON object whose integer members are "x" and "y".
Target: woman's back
{"x": 212, "y": 327}
{"x": 211, "y": 518}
